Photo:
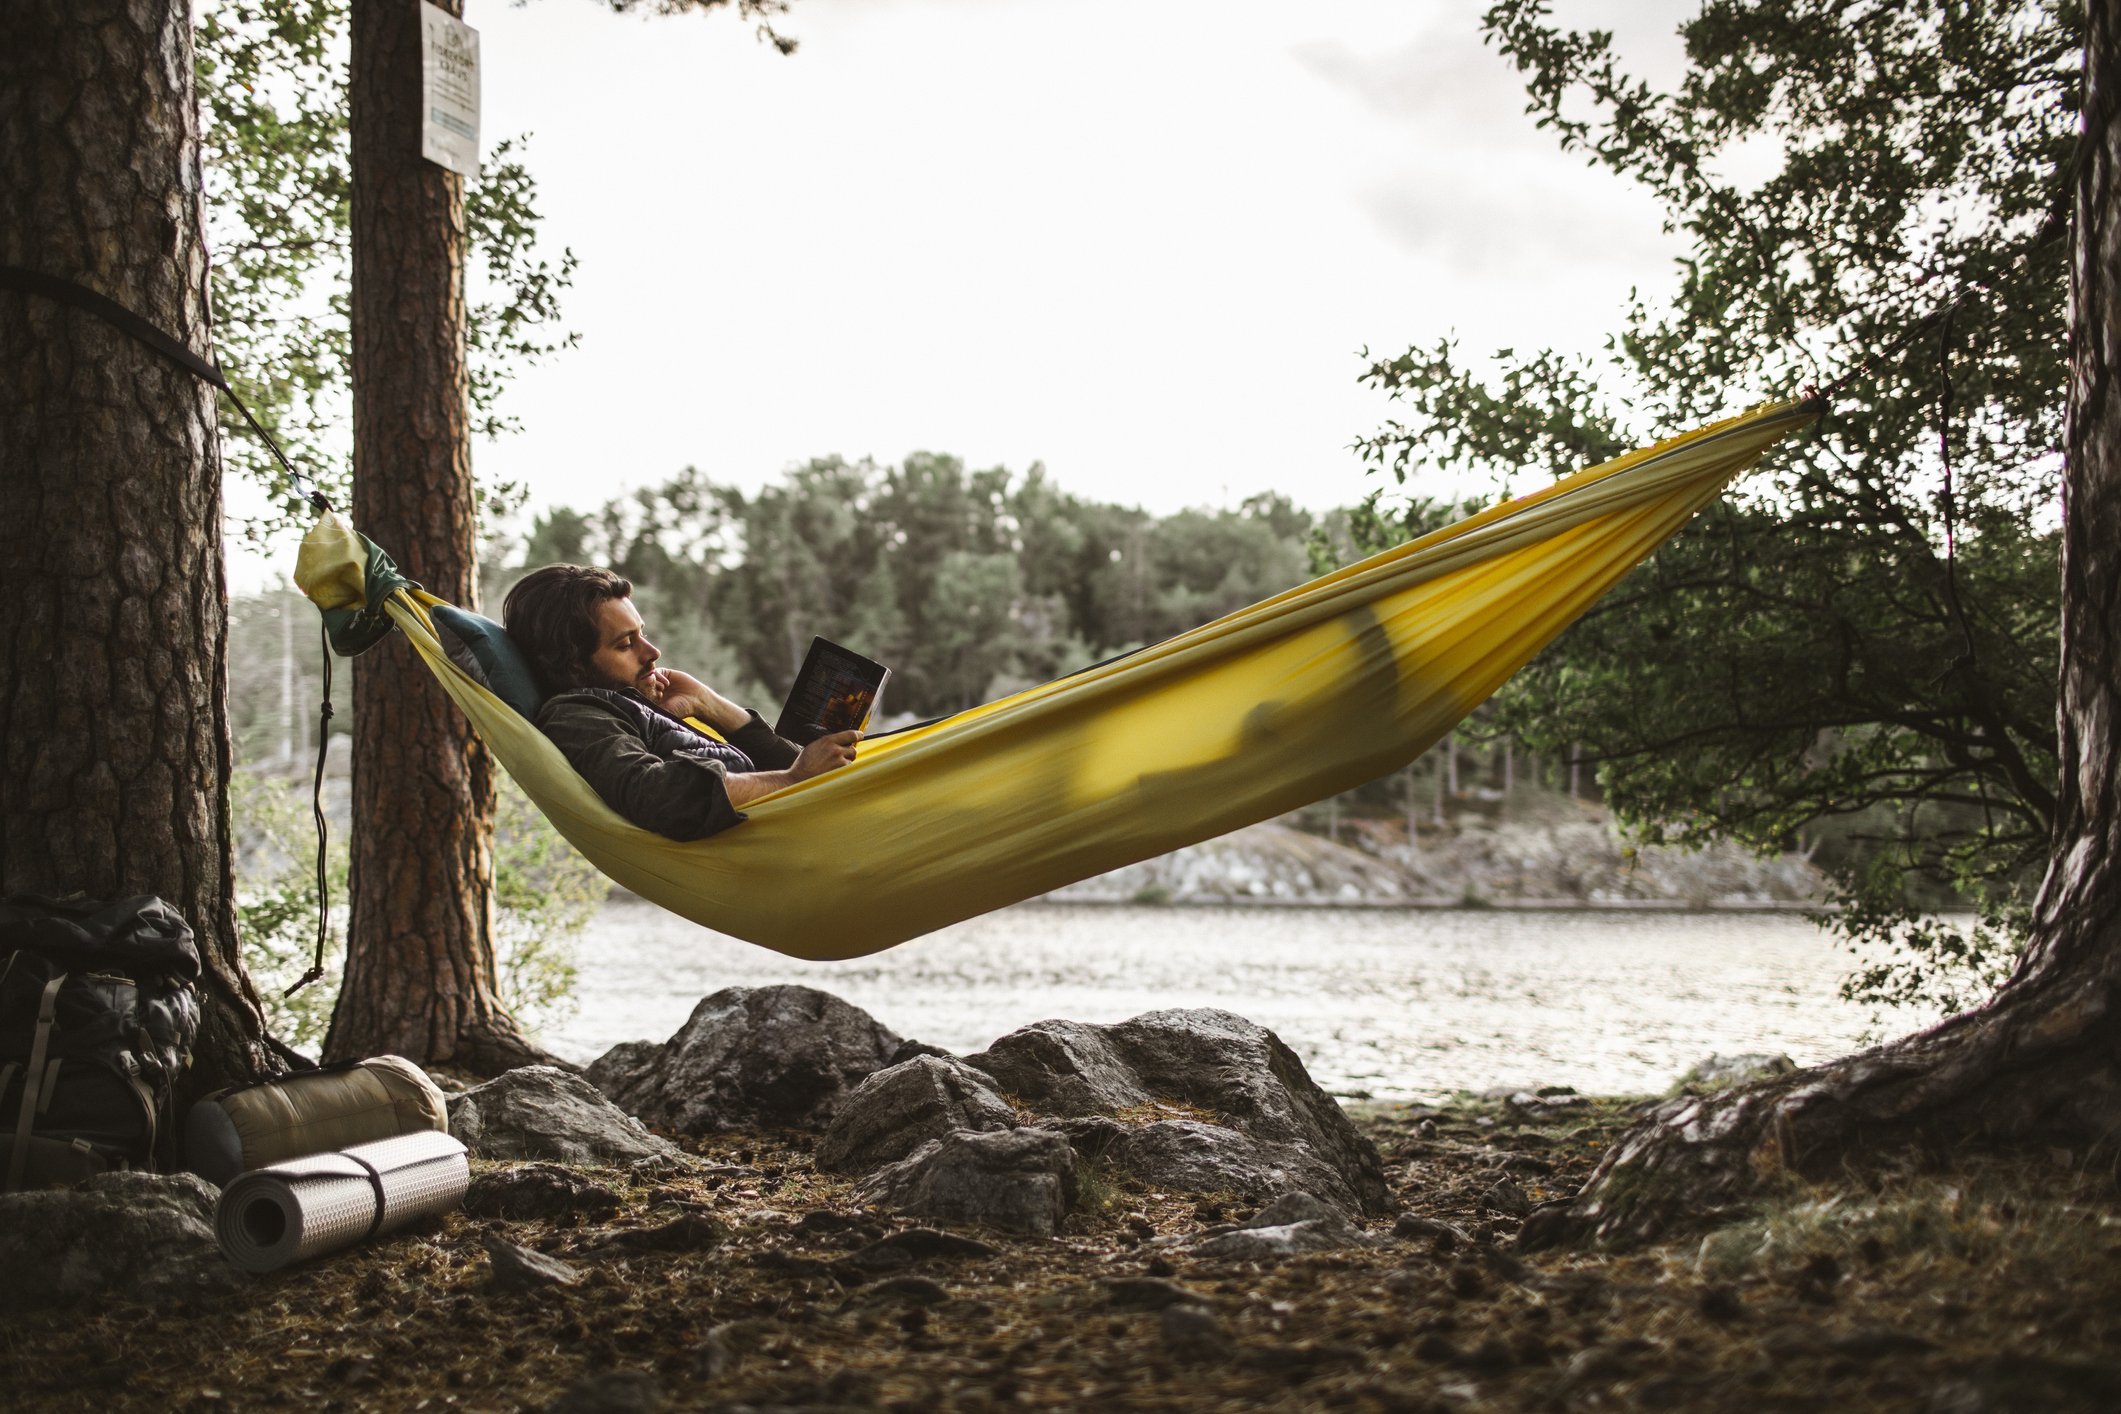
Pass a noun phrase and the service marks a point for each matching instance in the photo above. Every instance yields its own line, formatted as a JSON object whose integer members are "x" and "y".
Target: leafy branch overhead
{"x": 1860, "y": 641}
{"x": 761, "y": 12}
{"x": 272, "y": 93}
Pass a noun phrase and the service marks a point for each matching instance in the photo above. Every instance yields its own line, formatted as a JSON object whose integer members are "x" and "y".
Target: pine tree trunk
{"x": 113, "y": 610}
{"x": 419, "y": 961}
{"x": 2041, "y": 1060}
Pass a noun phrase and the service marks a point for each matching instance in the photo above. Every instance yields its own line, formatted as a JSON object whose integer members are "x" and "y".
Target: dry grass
{"x": 1986, "y": 1285}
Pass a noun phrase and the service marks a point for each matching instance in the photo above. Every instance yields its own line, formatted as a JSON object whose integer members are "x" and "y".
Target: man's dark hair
{"x": 552, "y": 616}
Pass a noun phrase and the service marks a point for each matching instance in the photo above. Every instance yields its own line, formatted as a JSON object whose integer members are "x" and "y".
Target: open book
{"x": 835, "y": 692}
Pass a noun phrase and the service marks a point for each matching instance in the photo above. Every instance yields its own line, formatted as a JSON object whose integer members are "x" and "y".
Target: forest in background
{"x": 971, "y": 584}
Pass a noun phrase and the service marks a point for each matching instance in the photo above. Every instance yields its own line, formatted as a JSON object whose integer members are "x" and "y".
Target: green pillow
{"x": 483, "y": 649}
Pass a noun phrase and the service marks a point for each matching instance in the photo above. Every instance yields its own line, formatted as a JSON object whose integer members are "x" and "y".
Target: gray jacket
{"x": 652, "y": 768}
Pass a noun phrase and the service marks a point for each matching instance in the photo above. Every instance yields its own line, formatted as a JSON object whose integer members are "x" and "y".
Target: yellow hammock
{"x": 1296, "y": 698}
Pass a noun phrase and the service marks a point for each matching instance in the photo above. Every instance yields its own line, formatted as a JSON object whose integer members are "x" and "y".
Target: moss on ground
{"x": 1973, "y": 1283}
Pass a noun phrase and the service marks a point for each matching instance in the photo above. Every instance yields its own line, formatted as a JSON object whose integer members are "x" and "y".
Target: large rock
{"x": 526, "y": 1192}
{"x": 895, "y": 1111}
{"x": 1065, "y": 1068}
{"x": 523, "y": 1269}
{"x": 750, "y": 1058}
{"x": 147, "y": 1237}
{"x": 1021, "y": 1180}
{"x": 1719, "y": 1072}
{"x": 1210, "y": 1059}
{"x": 542, "y": 1112}
{"x": 1188, "y": 1156}
{"x": 1293, "y": 1223}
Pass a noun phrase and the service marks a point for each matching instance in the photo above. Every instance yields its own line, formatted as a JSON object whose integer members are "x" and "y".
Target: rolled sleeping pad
{"x": 289, "y": 1212}
{"x": 250, "y": 1126}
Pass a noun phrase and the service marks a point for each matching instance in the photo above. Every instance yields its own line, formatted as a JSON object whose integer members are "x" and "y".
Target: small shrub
{"x": 276, "y": 905}
{"x": 545, "y": 893}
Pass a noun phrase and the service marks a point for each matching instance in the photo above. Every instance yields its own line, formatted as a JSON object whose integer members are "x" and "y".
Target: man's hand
{"x": 827, "y": 753}
{"x": 683, "y": 695}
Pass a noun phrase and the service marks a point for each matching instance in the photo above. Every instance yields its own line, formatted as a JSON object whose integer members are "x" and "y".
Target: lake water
{"x": 1400, "y": 1004}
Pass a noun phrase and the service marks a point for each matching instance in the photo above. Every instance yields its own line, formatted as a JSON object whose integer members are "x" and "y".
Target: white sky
{"x": 1142, "y": 242}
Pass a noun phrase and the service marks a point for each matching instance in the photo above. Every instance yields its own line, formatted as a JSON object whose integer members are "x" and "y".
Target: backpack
{"x": 98, "y": 1012}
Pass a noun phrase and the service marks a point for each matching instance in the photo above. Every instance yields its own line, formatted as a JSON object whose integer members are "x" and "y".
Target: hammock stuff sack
{"x": 1302, "y": 696}
{"x": 289, "y": 1212}
{"x": 250, "y": 1126}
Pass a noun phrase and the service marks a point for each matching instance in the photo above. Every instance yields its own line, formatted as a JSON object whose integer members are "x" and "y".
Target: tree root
{"x": 494, "y": 1044}
{"x": 2025, "y": 1067}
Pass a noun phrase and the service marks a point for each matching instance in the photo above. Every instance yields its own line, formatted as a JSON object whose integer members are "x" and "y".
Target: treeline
{"x": 971, "y": 584}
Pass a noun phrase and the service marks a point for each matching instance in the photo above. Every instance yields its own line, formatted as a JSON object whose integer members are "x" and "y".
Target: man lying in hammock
{"x": 616, "y": 715}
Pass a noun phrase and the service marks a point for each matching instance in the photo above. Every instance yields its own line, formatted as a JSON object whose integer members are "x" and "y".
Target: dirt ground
{"x": 1953, "y": 1284}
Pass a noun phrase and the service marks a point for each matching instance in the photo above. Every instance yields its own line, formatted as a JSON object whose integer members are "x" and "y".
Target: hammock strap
{"x": 51, "y": 287}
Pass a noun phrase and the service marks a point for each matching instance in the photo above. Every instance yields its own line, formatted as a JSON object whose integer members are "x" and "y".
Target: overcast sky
{"x": 1142, "y": 241}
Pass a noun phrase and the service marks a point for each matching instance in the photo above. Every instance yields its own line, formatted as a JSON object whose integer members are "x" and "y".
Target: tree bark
{"x": 2041, "y": 1060}
{"x": 113, "y": 609}
{"x": 419, "y": 960}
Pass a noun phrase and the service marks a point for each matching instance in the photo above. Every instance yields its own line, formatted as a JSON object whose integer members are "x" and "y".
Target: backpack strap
{"x": 47, "y": 1009}
{"x": 51, "y": 1083}
{"x": 130, "y": 1064}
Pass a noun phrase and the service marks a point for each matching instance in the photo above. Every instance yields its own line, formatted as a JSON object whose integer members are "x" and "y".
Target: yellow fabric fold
{"x": 1298, "y": 697}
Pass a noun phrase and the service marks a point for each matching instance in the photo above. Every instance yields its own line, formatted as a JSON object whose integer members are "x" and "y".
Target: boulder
{"x": 1021, "y": 1180}
{"x": 525, "y": 1192}
{"x": 1064, "y": 1068}
{"x": 750, "y": 1058}
{"x": 145, "y": 1237}
{"x": 610, "y": 1392}
{"x": 1292, "y": 1223}
{"x": 1444, "y": 1238}
{"x": 1192, "y": 1334}
{"x": 1506, "y": 1198}
{"x": 542, "y": 1112}
{"x": 1148, "y": 1294}
{"x": 1716, "y": 1072}
{"x": 625, "y": 1059}
{"x": 895, "y": 1111}
{"x": 919, "y": 1244}
{"x": 523, "y": 1269}
{"x": 689, "y": 1232}
{"x": 1210, "y": 1059}
{"x": 1188, "y": 1156}
{"x": 1529, "y": 1108}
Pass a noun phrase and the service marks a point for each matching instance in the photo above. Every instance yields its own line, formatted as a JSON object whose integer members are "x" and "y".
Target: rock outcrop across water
{"x": 1212, "y": 1061}
{"x": 542, "y": 1112}
{"x": 781, "y": 1057}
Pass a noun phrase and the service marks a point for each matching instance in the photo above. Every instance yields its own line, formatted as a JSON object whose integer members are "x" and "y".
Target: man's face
{"x": 624, "y": 655}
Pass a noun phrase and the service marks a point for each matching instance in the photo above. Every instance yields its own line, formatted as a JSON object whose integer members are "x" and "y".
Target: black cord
{"x": 1947, "y": 501}
{"x": 63, "y": 291}
{"x": 1908, "y": 335}
{"x": 316, "y": 809}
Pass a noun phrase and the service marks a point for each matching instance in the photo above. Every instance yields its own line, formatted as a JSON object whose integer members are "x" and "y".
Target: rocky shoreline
{"x": 1551, "y": 853}
{"x": 787, "y": 1207}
